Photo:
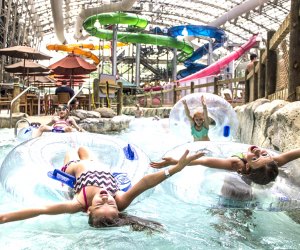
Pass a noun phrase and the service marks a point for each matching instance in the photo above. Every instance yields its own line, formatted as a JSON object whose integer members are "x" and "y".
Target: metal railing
{"x": 76, "y": 94}
{"x": 13, "y": 101}
{"x": 17, "y": 124}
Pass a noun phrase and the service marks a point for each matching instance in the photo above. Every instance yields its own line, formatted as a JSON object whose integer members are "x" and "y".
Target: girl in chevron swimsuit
{"x": 97, "y": 193}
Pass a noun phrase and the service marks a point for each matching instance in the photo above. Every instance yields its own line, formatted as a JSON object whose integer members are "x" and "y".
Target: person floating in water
{"x": 199, "y": 121}
{"x": 60, "y": 123}
{"x": 256, "y": 165}
{"x": 97, "y": 193}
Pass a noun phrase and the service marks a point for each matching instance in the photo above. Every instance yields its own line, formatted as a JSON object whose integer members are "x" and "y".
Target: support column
{"x": 255, "y": 82}
{"x": 192, "y": 87}
{"x": 247, "y": 88}
{"x": 271, "y": 66}
{"x": 174, "y": 65}
{"x": 120, "y": 99}
{"x": 96, "y": 92}
{"x": 16, "y": 92}
{"x": 210, "y": 51}
{"x": 13, "y": 28}
{"x": 261, "y": 76}
{"x": 294, "y": 53}
{"x": 137, "y": 64}
{"x": 114, "y": 50}
{"x": 5, "y": 35}
{"x": 216, "y": 88}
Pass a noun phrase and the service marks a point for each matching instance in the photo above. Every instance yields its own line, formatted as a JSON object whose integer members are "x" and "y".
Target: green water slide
{"x": 127, "y": 37}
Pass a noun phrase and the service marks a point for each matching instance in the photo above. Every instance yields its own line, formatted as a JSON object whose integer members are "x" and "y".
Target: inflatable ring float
{"x": 24, "y": 171}
{"x": 219, "y": 189}
{"x": 224, "y": 119}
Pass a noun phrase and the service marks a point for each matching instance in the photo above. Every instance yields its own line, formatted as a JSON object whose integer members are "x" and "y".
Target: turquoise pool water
{"x": 187, "y": 226}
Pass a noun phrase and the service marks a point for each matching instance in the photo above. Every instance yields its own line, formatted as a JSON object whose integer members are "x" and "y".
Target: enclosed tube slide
{"x": 58, "y": 20}
{"x": 217, "y": 66}
{"x": 91, "y": 46}
{"x": 233, "y": 13}
{"x": 135, "y": 21}
{"x": 85, "y": 13}
{"x": 237, "y": 11}
{"x": 218, "y": 35}
{"x": 75, "y": 50}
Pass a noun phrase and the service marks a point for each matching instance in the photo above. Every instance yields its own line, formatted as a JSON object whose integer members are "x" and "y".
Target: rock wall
{"x": 161, "y": 112}
{"x": 274, "y": 125}
{"x": 102, "y": 120}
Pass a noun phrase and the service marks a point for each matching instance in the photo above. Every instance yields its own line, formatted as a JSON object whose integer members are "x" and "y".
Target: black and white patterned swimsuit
{"x": 99, "y": 179}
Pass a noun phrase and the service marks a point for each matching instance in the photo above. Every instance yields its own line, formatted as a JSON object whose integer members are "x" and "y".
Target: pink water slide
{"x": 216, "y": 67}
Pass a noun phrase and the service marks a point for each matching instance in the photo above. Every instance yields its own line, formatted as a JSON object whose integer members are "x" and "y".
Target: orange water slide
{"x": 75, "y": 49}
{"x": 91, "y": 46}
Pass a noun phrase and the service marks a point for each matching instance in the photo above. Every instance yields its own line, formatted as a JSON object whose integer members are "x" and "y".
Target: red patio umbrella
{"x": 67, "y": 77}
{"x": 40, "y": 79}
{"x": 25, "y": 67}
{"x": 72, "y": 65}
{"x": 73, "y": 82}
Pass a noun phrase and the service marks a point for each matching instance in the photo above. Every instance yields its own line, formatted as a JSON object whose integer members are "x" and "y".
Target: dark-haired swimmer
{"x": 257, "y": 164}
{"x": 97, "y": 193}
{"x": 60, "y": 123}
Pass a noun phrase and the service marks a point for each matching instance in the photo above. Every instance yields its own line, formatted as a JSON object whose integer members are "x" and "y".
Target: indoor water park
{"x": 154, "y": 124}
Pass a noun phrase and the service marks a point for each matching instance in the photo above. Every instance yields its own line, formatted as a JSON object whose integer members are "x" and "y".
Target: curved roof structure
{"x": 39, "y": 16}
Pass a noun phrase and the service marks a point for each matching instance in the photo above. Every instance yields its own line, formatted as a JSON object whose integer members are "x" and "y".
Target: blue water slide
{"x": 218, "y": 36}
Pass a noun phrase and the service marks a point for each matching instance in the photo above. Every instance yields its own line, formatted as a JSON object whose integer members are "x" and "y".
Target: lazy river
{"x": 188, "y": 225}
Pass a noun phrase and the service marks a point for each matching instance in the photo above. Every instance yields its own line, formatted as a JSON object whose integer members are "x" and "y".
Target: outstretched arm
{"x": 287, "y": 157}
{"x": 205, "y": 113}
{"x": 152, "y": 180}
{"x": 166, "y": 161}
{"x": 60, "y": 208}
{"x": 187, "y": 111}
{"x": 211, "y": 162}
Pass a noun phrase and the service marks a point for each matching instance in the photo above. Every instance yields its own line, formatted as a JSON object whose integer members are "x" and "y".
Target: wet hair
{"x": 253, "y": 56}
{"x": 135, "y": 223}
{"x": 197, "y": 113}
{"x": 264, "y": 175}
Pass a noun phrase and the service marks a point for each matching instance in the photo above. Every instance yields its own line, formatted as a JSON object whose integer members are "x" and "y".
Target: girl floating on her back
{"x": 97, "y": 193}
{"x": 199, "y": 121}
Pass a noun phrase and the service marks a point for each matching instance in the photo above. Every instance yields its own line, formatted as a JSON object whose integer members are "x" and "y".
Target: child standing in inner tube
{"x": 60, "y": 123}
{"x": 199, "y": 121}
{"x": 97, "y": 193}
